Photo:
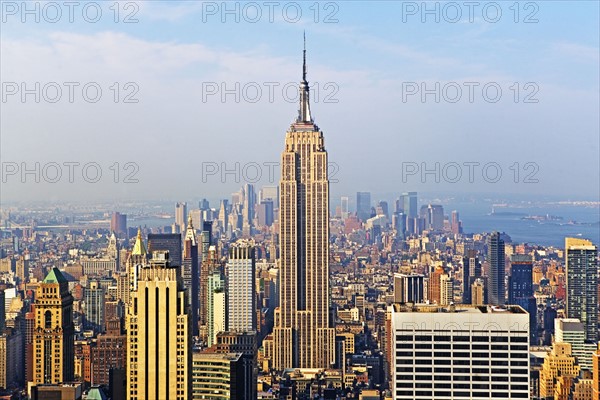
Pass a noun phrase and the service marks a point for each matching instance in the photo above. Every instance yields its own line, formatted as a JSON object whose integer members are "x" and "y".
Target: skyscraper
{"x": 220, "y": 376}
{"x": 596, "y": 374}
{"x": 241, "y": 287}
{"x": 210, "y": 261}
{"x": 53, "y": 336}
{"x": 303, "y": 333}
{"x": 170, "y": 242}
{"x": 94, "y": 307}
{"x": 496, "y": 275}
{"x": 158, "y": 333}
{"x": 461, "y": 352}
{"x": 223, "y": 215}
{"x": 433, "y": 214}
{"x": 408, "y": 288}
{"x": 180, "y": 216}
{"x": 581, "y": 259}
{"x": 191, "y": 273}
{"x": 471, "y": 271}
{"x": 216, "y": 305}
{"x": 456, "y": 223}
{"x": 248, "y": 210}
{"x": 410, "y": 204}
{"x": 363, "y": 205}
{"x": 269, "y": 193}
{"x": 118, "y": 224}
{"x": 344, "y": 207}
{"x": 520, "y": 287}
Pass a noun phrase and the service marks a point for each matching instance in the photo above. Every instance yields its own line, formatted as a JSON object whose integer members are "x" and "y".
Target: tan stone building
{"x": 558, "y": 365}
{"x": 304, "y": 336}
{"x": 158, "y": 332}
{"x": 53, "y": 334}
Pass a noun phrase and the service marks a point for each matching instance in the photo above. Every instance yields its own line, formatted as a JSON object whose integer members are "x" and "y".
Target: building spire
{"x": 304, "y": 111}
{"x": 304, "y": 60}
{"x": 138, "y": 248}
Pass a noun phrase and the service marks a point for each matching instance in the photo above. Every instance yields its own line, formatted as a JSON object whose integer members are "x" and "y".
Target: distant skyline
{"x": 369, "y": 56}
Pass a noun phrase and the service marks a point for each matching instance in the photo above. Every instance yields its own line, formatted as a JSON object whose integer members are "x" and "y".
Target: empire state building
{"x": 303, "y": 336}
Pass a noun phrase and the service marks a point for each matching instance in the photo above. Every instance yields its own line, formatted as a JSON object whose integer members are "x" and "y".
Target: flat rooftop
{"x": 458, "y": 308}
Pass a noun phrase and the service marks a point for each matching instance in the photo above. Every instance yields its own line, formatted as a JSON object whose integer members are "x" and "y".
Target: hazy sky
{"x": 368, "y": 61}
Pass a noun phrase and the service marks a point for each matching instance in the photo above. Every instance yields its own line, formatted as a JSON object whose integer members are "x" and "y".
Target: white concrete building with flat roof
{"x": 459, "y": 352}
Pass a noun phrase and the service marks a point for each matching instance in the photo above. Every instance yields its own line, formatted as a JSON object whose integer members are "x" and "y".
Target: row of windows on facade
{"x": 437, "y": 338}
{"x": 512, "y": 374}
{"x": 420, "y": 345}
{"x": 429, "y": 361}
{"x": 458, "y": 395}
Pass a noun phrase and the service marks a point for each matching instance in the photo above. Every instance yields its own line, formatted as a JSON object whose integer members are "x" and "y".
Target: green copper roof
{"x": 95, "y": 394}
{"x": 55, "y": 276}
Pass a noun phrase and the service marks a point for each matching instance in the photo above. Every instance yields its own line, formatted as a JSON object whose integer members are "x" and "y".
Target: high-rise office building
{"x": 264, "y": 213}
{"x": 344, "y": 209}
{"x": 410, "y": 204}
{"x": 158, "y": 333}
{"x": 241, "y": 287}
{"x": 559, "y": 363}
{"x": 581, "y": 260}
{"x": 382, "y": 209}
{"x": 180, "y": 216}
{"x": 216, "y": 305}
{"x": 191, "y": 273}
{"x": 303, "y": 333}
{"x": 204, "y": 205}
{"x": 210, "y": 262}
{"x": 456, "y": 223}
{"x": 245, "y": 343}
{"x": 520, "y": 288}
{"x": 11, "y": 358}
{"x": 248, "y": 209}
{"x": 461, "y": 352}
{"x": 94, "y": 307}
{"x": 363, "y": 205}
{"x": 2, "y": 308}
{"x": 269, "y": 193}
{"x": 471, "y": 271}
{"x": 110, "y": 352}
{"x": 170, "y": 242}
{"x": 197, "y": 219}
{"x": 223, "y": 214}
{"x": 572, "y": 331}
{"x": 496, "y": 291}
{"x": 220, "y": 376}
{"x": 446, "y": 289}
{"x": 399, "y": 224}
{"x": 118, "y": 224}
{"x": 434, "y": 285}
{"x": 596, "y": 374}
{"x": 478, "y": 292}
{"x": 54, "y": 332}
{"x": 433, "y": 214}
{"x": 408, "y": 288}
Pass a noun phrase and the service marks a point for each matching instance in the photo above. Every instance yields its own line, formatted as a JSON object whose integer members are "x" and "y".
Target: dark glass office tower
{"x": 170, "y": 242}
{"x": 496, "y": 261}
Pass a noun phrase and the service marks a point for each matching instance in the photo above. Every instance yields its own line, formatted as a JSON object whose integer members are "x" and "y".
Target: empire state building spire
{"x": 304, "y": 111}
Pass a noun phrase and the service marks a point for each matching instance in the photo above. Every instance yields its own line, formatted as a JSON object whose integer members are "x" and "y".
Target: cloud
{"x": 578, "y": 52}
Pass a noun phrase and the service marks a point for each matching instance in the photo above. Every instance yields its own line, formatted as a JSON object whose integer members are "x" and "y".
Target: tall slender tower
{"x": 303, "y": 333}
{"x": 497, "y": 269}
{"x": 582, "y": 284}
{"x": 53, "y": 333}
{"x": 241, "y": 287}
{"x": 158, "y": 333}
{"x": 191, "y": 273}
